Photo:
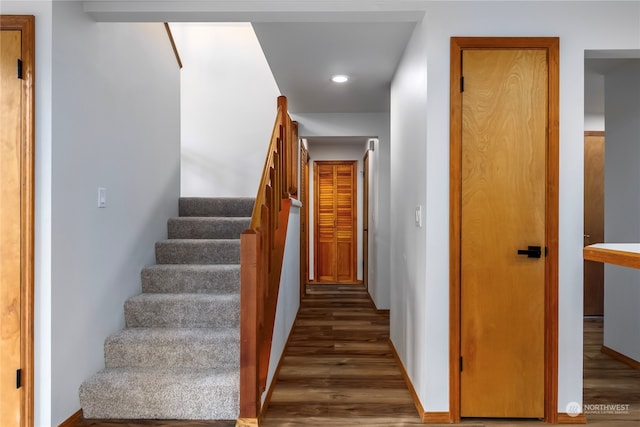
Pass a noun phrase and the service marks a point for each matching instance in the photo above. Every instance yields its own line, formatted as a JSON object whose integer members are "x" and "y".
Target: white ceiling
{"x": 304, "y": 56}
{"x": 305, "y": 41}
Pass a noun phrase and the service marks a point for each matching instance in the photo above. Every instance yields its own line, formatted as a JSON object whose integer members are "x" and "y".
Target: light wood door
{"x": 10, "y": 202}
{"x": 335, "y": 221}
{"x": 504, "y": 136}
{"x": 593, "y": 220}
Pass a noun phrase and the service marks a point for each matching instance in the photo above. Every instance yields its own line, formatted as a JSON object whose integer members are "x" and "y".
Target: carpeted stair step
{"x": 216, "y": 206}
{"x": 202, "y": 227}
{"x": 161, "y": 393}
{"x": 186, "y": 278}
{"x": 169, "y": 347}
{"x": 198, "y": 251}
{"x": 182, "y": 311}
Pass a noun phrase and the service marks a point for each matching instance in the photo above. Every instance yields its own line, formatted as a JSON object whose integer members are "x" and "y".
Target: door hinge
{"x": 460, "y": 363}
{"x": 20, "y": 69}
{"x": 462, "y": 84}
{"x": 18, "y": 378}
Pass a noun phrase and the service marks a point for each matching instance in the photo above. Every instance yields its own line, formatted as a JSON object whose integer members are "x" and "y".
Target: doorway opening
{"x": 336, "y": 252}
{"x": 611, "y": 211}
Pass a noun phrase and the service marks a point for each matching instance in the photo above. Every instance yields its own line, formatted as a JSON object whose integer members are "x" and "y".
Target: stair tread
{"x": 202, "y": 310}
{"x": 175, "y": 334}
{"x": 185, "y": 297}
{"x": 195, "y": 348}
{"x": 161, "y": 393}
{"x": 198, "y": 251}
{"x": 194, "y": 267}
{"x": 166, "y": 372}
{"x": 191, "y": 278}
{"x": 211, "y": 218}
{"x": 216, "y": 206}
{"x": 197, "y": 241}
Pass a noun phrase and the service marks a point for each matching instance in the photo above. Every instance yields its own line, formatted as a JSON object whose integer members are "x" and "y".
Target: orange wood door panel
{"x": 504, "y": 131}
{"x": 10, "y": 219}
{"x": 335, "y": 196}
{"x": 593, "y": 220}
{"x": 325, "y": 253}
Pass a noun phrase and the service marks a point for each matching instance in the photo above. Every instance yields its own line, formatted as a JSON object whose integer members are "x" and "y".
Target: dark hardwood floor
{"x": 338, "y": 370}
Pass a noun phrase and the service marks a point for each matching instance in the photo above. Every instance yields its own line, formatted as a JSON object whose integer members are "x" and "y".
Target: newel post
{"x": 249, "y": 392}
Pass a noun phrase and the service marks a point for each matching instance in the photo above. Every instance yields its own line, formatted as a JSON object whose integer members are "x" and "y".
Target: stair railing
{"x": 261, "y": 256}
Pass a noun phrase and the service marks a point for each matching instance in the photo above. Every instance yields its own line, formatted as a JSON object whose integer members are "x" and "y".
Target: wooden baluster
{"x": 275, "y": 206}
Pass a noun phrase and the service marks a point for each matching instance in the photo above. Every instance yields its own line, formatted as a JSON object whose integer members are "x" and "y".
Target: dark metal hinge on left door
{"x": 19, "y": 69}
{"x": 19, "y": 378}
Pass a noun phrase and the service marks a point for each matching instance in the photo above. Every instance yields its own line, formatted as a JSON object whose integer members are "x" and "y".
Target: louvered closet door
{"x": 335, "y": 202}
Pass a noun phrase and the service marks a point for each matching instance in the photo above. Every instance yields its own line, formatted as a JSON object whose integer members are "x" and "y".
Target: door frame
{"x": 26, "y": 25}
{"x": 365, "y": 220}
{"x": 552, "y": 47}
{"x": 304, "y": 219}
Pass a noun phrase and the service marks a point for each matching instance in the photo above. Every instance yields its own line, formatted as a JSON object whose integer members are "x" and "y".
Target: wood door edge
{"x": 26, "y": 24}
{"x": 552, "y": 46}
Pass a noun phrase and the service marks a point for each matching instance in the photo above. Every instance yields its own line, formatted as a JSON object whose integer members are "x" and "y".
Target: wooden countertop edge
{"x": 611, "y": 256}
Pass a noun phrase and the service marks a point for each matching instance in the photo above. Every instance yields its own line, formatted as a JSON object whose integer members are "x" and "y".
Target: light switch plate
{"x": 102, "y": 197}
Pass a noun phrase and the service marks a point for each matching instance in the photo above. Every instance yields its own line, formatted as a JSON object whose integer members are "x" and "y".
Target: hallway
{"x": 338, "y": 368}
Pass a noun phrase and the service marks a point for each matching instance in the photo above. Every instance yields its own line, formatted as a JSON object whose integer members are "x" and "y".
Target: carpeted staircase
{"x": 179, "y": 356}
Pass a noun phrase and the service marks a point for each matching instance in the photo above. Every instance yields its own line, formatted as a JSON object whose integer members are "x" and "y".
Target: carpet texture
{"x": 179, "y": 356}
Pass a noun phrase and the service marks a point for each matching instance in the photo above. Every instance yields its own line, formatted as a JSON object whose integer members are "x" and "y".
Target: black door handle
{"x": 531, "y": 252}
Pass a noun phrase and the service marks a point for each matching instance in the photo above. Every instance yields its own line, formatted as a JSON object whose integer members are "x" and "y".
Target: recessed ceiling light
{"x": 340, "y": 78}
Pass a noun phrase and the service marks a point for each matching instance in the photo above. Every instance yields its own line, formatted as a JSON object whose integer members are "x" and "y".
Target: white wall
{"x": 412, "y": 324}
{"x": 349, "y": 152}
{"x": 373, "y": 125}
{"x": 421, "y": 337}
{"x": 116, "y": 124}
{"x": 289, "y": 293}
{"x": 593, "y": 99}
{"x": 594, "y": 122}
{"x": 229, "y": 105}
{"x": 622, "y": 206}
{"x": 42, "y": 10}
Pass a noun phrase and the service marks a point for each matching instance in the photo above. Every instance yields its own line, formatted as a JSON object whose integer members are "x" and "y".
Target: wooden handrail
{"x": 261, "y": 256}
